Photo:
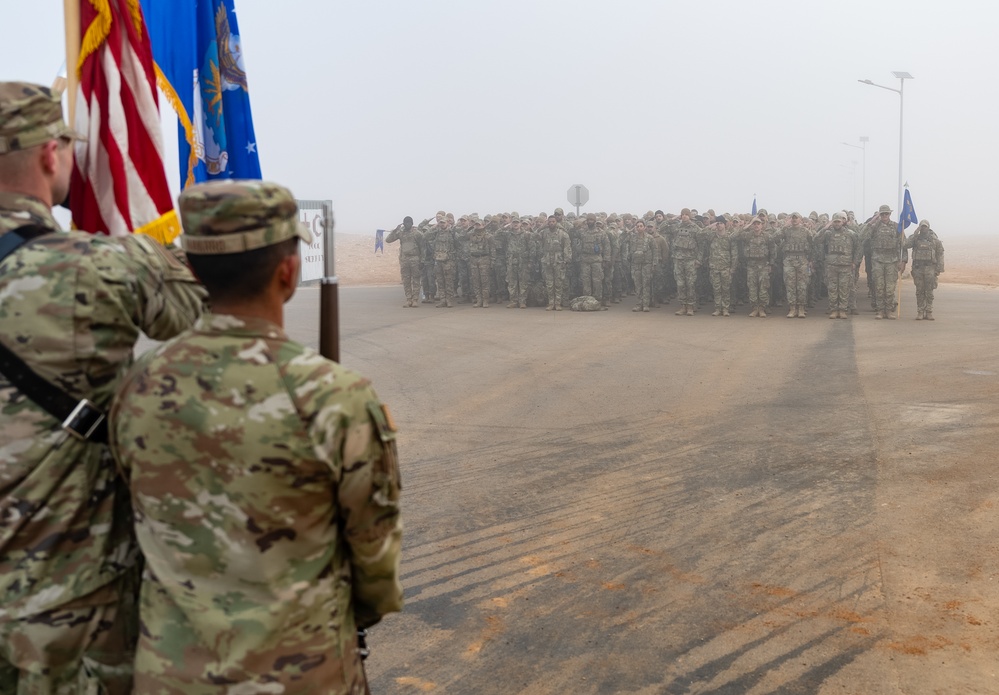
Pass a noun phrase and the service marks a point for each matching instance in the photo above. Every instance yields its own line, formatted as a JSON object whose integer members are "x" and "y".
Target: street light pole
{"x": 902, "y": 77}
{"x": 863, "y": 196}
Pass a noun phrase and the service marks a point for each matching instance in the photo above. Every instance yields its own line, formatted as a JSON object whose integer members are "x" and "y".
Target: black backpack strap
{"x": 16, "y": 238}
{"x": 81, "y": 418}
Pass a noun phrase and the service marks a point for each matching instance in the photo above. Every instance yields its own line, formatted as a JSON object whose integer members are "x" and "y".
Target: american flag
{"x": 119, "y": 184}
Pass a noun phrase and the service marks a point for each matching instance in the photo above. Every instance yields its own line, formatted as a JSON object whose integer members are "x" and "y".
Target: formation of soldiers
{"x": 764, "y": 260}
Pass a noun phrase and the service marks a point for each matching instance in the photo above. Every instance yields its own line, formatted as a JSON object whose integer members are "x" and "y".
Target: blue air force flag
{"x": 200, "y": 69}
{"x": 908, "y": 214}
{"x": 754, "y": 204}
{"x": 379, "y": 240}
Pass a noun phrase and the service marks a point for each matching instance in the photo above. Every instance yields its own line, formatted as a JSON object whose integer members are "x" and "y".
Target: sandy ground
{"x": 969, "y": 260}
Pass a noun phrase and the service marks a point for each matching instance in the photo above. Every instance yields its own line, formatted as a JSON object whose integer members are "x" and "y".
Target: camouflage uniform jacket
{"x": 72, "y": 306}
{"x": 887, "y": 244}
{"x": 410, "y": 243}
{"x": 723, "y": 251}
{"x": 520, "y": 247}
{"x": 265, "y": 485}
{"x": 644, "y": 251}
{"x": 686, "y": 243}
{"x": 555, "y": 247}
{"x": 926, "y": 250}
{"x": 840, "y": 246}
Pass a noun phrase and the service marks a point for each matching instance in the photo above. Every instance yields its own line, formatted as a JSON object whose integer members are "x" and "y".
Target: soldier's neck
{"x": 270, "y": 308}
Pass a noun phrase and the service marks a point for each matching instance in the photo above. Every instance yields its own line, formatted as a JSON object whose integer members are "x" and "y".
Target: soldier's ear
{"x": 286, "y": 275}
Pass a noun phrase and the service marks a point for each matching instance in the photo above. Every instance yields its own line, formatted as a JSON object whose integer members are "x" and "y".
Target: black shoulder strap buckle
{"x": 81, "y": 419}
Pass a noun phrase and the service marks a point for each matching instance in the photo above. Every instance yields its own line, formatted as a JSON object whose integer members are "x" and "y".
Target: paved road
{"x": 644, "y": 503}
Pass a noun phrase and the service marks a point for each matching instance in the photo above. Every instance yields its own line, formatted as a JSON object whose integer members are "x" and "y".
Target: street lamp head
{"x": 864, "y": 138}
{"x": 865, "y": 81}
{"x": 903, "y": 75}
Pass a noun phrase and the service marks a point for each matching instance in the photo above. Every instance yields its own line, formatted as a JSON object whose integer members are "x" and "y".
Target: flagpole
{"x": 71, "y": 14}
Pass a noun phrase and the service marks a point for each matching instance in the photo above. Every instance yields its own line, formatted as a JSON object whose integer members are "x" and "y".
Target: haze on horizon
{"x": 398, "y": 108}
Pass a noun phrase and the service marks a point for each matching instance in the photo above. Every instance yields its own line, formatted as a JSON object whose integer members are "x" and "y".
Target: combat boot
{"x": 754, "y": 313}
{"x": 928, "y": 315}
{"x": 792, "y": 311}
{"x": 919, "y": 315}
{"x": 558, "y": 307}
{"x": 550, "y": 307}
{"x": 682, "y": 311}
{"x": 880, "y": 315}
{"x": 645, "y": 308}
{"x": 763, "y": 313}
{"x": 801, "y": 311}
{"x": 485, "y": 305}
{"x": 890, "y": 315}
{"x": 523, "y": 305}
{"x": 690, "y": 310}
{"x": 511, "y": 305}
{"x": 637, "y": 307}
{"x": 441, "y": 304}
{"x": 834, "y": 314}
{"x": 725, "y": 312}
{"x": 716, "y": 312}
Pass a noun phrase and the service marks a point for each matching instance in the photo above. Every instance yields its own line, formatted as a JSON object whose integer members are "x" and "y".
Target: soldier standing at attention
{"x": 264, "y": 476}
{"x": 644, "y": 258}
{"x": 592, "y": 252}
{"x": 686, "y": 260}
{"x": 796, "y": 241}
{"x": 518, "y": 270}
{"x": 555, "y": 252}
{"x": 723, "y": 257}
{"x": 410, "y": 259}
{"x": 71, "y": 308}
{"x": 481, "y": 255}
{"x": 889, "y": 256}
{"x": 842, "y": 253}
{"x": 759, "y": 261}
{"x": 927, "y": 264}
{"x": 445, "y": 261}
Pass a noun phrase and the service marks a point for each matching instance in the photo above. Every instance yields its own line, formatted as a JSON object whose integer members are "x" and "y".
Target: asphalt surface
{"x": 614, "y": 502}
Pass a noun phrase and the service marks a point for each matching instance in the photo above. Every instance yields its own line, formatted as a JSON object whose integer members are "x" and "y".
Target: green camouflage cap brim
{"x": 30, "y": 115}
{"x": 234, "y": 216}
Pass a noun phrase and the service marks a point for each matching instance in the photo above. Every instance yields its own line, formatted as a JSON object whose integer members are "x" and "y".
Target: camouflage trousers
{"x": 758, "y": 278}
{"x": 86, "y": 646}
{"x": 924, "y": 277}
{"x": 685, "y": 271}
{"x": 444, "y": 270}
{"x": 641, "y": 274}
{"x": 591, "y": 272}
{"x": 619, "y": 282}
{"x": 481, "y": 269}
{"x": 518, "y": 277}
{"x": 721, "y": 287}
{"x": 839, "y": 278}
{"x": 412, "y": 274}
{"x": 885, "y": 285}
{"x": 608, "y": 281}
{"x": 499, "y": 278}
{"x": 554, "y": 274}
{"x": 659, "y": 293}
{"x": 429, "y": 280}
{"x": 464, "y": 279}
{"x": 796, "y": 279}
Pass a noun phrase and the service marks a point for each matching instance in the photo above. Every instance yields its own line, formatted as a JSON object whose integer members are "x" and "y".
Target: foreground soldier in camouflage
{"x": 927, "y": 264}
{"x": 264, "y": 477}
{"x": 72, "y": 308}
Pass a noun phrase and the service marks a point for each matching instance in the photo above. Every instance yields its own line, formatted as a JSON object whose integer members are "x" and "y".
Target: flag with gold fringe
{"x": 118, "y": 184}
{"x": 201, "y": 70}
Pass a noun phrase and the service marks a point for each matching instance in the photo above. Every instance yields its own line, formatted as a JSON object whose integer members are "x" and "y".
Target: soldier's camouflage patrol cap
{"x": 234, "y": 216}
{"x": 30, "y": 114}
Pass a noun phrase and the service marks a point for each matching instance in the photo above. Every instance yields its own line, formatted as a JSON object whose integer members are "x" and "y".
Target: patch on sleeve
{"x": 388, "y": 463}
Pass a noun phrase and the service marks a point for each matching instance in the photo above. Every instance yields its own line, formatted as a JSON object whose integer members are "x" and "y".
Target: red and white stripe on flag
{"x": 119, "y": 185}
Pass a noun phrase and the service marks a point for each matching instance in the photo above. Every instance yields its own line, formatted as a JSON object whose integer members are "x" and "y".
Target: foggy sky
{"x": 403, "y": 108}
